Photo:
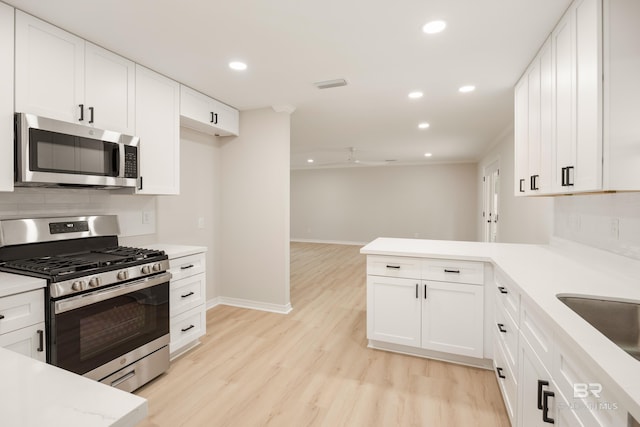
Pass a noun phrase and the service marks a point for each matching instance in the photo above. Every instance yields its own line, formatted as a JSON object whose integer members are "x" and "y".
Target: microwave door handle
{"x": 116, "y": 161}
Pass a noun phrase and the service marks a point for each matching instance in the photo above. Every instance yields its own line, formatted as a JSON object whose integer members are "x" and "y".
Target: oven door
{"x": 90, "y": 330}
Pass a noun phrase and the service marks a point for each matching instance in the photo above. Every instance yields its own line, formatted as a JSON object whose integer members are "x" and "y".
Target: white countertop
{"x": 542, "y": 272}
{"x": 14, "y": 284}
{"x": 177, "y": 251}
{"x": 35, "y": 394}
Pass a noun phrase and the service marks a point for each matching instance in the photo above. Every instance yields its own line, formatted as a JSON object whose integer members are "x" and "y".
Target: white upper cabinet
{"x": 6, "y": 98}
{"x": 204, "y": 114}
{"x": 59, "y": 75}
{"x": 586, "y": 102}
{"x": 158, "y": 126}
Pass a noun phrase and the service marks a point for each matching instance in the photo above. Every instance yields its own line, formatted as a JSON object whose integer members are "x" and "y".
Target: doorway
{"x": 490, "y": 210}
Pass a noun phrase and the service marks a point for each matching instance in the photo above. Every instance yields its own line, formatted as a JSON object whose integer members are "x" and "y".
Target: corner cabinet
{"x": 61, "y": 76}
{"x": 158, "y": 126}
{"x": 6, "y": 97}
{"x": 204, "y": 114}
{"x": 22, "y": 324}
{"x": 576, "y": 106}
{"x": 426, "y": 304}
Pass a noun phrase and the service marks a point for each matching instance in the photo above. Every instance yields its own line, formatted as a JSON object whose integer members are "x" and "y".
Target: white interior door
{"x": 490, "y": 214}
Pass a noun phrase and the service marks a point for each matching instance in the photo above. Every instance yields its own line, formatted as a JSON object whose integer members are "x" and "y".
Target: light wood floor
{"x": 312, "y": 367}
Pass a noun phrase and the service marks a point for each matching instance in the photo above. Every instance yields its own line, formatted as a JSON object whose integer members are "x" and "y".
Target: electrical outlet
{"x": 614, "y": 229}
{"x": 201, "y": 222}
{"x": 146, "y": 217}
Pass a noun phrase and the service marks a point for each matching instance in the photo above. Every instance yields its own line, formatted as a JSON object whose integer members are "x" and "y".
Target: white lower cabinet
{"x": 187, "y": 301}
{"x": 547, "y": 383}
{"x": 452, "y": 318}
{"x": 393, "y": 310}
{"x": 6, "y": 97}
{"x": 442, "y": 316}
{"x": 22, "y": 324}
{"x": 28, "y": 341}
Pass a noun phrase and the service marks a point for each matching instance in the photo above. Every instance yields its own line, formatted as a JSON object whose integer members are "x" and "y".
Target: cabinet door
{"x": 453, "y": 318}
{"x": 109, "y": 90}
{"x": 49, "y": 70}
{"x": 207, "y": 115}
{"x": 588, "y": 155}
{"x": 534, "y": 143}
{"x": 536, "y": 390}
{"x": 28, "y": 341}
{"x": 393, "y": 310}
{"x": 563, "y": 114}
{"x": 546, "y": 118}
{"x": 158, "y": 126}
{"x": 227, "y": 119}
{"x": 521, "y": 126}
{"x": 6, "y": 97}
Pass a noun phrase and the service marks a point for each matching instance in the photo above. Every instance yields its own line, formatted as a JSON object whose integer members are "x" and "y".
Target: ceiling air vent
{"x": 330, "y": 83}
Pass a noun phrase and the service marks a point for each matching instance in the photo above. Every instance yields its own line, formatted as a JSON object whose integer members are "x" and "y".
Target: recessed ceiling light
{"x": 434, "y": 27}
{"x": 467, "y": 88}
{"x": 415, "y": 95}
{"x": 428, "y": 154}
{"x": 309, "y": 160}
{"x": 237, "y": 65}
{"x": 423, "y": 125}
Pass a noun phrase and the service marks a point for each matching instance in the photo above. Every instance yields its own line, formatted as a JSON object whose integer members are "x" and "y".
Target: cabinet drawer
{"x": 444, "y": 270}
{"x": 186, "y": 293}
{"x": 27, "y": 341}
{"x": 569, "y": 372}
{"x": 21, "y": 310}
{"x": 507, "y": 332}
{"x": 187, "y": 266}
{"x": 508, "y": 384}
{"x": 507, "y": 295}
{"x": 403, "y": 267}
{"x": 187, "y": 327}
{"x": 538, "y": 333}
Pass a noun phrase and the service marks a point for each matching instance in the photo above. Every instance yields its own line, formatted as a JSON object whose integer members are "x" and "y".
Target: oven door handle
{"x": 97, "y": 296}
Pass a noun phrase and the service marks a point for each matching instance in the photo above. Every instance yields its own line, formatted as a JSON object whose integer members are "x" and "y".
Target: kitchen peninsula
{"x": 542, "y": 339}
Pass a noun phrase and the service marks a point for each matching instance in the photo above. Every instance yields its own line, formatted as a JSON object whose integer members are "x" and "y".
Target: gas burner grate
{"x": 131, "y": 254}
{"x": 53, "y": 265}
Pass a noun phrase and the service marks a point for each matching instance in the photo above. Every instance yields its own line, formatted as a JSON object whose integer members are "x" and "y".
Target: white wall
{"x": 591, "y": 219}
{"x": 359, "y": 204}
{"x": 521, "y": 219}
{"x": 255, "y": 212}
{"x": 200, "y": 183}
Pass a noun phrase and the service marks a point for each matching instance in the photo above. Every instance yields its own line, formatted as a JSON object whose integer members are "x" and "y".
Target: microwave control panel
{"x": 130, "y": 161}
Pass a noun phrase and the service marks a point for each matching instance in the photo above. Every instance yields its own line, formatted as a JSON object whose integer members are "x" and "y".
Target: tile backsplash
{"x": 136, "y": 213}
{"x": 605, "y": 221}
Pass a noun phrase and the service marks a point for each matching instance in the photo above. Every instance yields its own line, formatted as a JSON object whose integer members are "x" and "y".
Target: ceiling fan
{"x": 353, "y": 160}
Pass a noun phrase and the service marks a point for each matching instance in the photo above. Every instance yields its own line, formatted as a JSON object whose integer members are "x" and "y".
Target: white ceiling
{"x": 377, "y": 46}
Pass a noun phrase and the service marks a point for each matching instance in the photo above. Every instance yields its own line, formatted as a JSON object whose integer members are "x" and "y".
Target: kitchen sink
{"x": 617, "y": 320}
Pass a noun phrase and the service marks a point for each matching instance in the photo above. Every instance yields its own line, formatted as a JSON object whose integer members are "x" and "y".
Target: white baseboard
{"x": 253, "y": 305}
{"x": 333, "y": 242}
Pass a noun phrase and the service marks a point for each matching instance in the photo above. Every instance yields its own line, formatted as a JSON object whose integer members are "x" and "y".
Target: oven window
{"x": 90, "y": 336}
{"x": 56, "y": 152}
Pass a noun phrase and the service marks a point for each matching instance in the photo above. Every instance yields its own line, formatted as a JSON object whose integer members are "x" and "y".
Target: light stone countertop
{"x": 14, "y": 284}
{"x": 177, "y": 251}
{"x": 35, "y": 394}
{"x": 542, "y": 272}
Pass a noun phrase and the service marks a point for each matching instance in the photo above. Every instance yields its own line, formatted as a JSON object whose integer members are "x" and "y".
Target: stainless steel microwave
{"x": 53, "y": 153}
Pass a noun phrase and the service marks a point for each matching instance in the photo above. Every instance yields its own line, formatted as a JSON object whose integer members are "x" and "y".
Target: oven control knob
{"x": 78, "y": 285}
{"x": 95, "y": 282}
{"x": 146, "y": 269}
{"x": 157, "y": 267}
{"x": 123, "y": 275}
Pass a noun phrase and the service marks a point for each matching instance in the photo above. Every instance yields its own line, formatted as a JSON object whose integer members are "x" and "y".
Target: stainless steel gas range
{"x": 107, "y": 306}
